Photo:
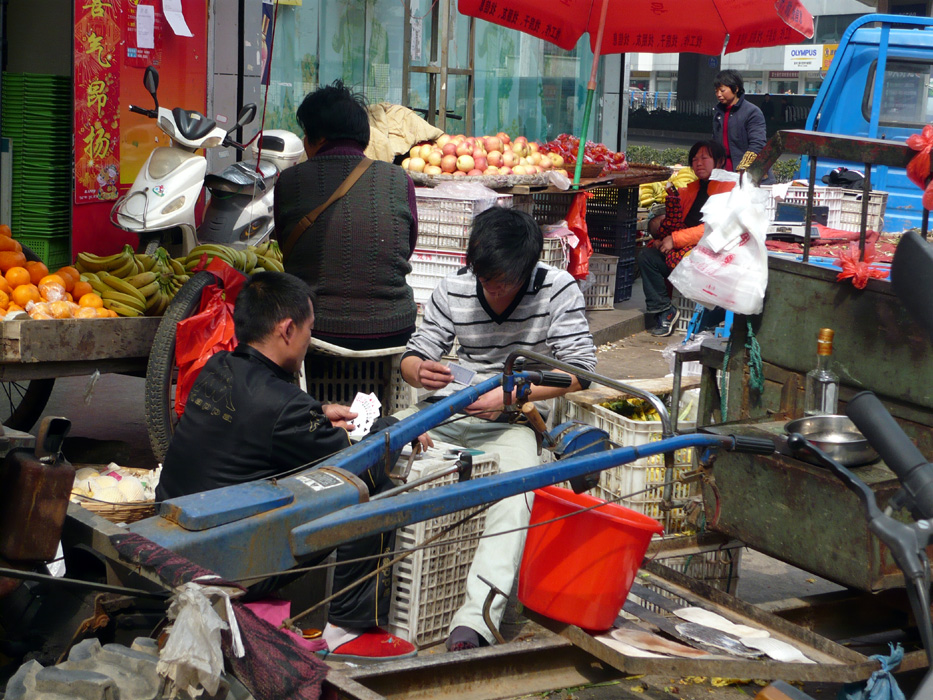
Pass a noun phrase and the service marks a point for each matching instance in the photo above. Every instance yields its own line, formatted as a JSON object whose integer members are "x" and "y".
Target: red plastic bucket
{"x": 579, "y": 570}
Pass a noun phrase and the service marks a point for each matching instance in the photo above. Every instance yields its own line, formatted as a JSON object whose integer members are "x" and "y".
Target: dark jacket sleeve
{"x": 303, "y": 434}
{"x": 755, "y": 129}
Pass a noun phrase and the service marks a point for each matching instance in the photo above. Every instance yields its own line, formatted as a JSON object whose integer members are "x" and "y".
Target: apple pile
{"x": 481, "y": 155}
{"x": 567, "y": 145}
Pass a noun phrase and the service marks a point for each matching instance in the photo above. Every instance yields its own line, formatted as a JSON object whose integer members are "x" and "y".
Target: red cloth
{"x": 830, "y": 242}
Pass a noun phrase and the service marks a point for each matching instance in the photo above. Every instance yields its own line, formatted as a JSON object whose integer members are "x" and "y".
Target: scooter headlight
{"x": 167, "y": 126}
{"x": 174, "y": 205}
{"x": 213, "y": 141}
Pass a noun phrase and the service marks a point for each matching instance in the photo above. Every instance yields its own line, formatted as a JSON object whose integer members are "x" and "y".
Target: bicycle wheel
{"x": 162, "y": 372}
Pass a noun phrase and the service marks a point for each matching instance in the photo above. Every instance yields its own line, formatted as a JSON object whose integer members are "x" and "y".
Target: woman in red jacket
{"x": 678, "y": 231}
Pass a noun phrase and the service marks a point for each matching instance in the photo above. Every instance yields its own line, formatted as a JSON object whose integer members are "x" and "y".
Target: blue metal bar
{"x": 350, "y": 523}
{"x": 880, "y": 68}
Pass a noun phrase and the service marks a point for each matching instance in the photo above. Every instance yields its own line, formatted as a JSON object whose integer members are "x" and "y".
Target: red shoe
{"x": 373, "y": 646}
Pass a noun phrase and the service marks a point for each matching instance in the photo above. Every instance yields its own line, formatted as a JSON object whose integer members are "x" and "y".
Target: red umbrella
{"x": 649, "y": 26}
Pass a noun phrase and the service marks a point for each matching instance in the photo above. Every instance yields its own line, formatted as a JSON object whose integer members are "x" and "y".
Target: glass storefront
{"x": 522, "y": 85}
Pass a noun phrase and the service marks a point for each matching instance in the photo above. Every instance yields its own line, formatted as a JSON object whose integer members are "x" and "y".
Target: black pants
{"x": 654, "y": 274}
{"x": 365, "y": 605}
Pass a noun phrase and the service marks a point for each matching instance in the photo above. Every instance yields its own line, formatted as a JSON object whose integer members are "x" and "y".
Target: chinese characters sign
{"x": 98, "y": 35}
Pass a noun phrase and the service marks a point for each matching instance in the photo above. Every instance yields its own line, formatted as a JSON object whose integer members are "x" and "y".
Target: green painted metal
{"x": 801, "y": 514}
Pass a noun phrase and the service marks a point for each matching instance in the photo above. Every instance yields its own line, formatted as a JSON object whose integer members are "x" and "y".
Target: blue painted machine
{"x": 271, "y": 526}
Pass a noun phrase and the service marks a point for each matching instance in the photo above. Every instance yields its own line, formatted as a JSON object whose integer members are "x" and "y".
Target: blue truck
{"x": 890, "y": 56}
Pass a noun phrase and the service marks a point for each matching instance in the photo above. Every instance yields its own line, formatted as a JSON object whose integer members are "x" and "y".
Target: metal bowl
{"x": 837, "y": 436}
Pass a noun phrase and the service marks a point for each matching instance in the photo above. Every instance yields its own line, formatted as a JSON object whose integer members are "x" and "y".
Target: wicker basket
{"x": 589, "y": 170}
{"x": 118, "y": 512}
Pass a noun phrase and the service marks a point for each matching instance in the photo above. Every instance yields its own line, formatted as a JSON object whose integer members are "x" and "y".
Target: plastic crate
{"x": 551, "y": 207}
{"x": 613, "y": 237}
{"x": 54, "y": 251}
{"x": 845, "y": 206}
{"x": 430, "y": 585}
{"x": 600, "y": 285}
{"x": 619, "y": 483}
{"x": 620, "y": 203}
{"x": 445, "y": 222}
{"x": 554, "y": 253}
{"x": 428, "y": 267}
{"x": 335, "y": 379}
{"x": 625, "y": 279}
{"x": 686, "y": 307}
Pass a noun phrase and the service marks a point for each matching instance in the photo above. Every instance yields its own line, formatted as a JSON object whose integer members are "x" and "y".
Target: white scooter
{"x": 162, "y": 199}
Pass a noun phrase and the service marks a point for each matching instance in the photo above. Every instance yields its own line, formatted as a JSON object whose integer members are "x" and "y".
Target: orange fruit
{"x": 9, "y": 244}
{"x": 5, "y": 230}
{"x": 11, "y": 258}
{"x": 70, "y": 275}
{"x": 102, "y": 312}
{"x": 17, "y": 275}
{"x": 4, "y": 300}
{"x": 54, "y": 279}
{"x": 80, "y": 289}
{"x": 60, "y": 309}
{"x": 4, "y": 285}
{"x": 13, "y": 308}
{"x": 37, "y": 270}
{"x": 91, "y": 300}
{"x": 25, "y": 293}
{"x": 52, "y": 291}
{"x": 86, "y": 312}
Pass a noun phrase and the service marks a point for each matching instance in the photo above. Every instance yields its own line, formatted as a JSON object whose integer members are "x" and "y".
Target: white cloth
{"x": 497, "y": 559}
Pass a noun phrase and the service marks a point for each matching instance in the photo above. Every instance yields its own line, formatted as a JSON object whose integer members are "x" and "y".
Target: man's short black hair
{"x": 715, "y": 150}
{"x": 505, "y": 245}
{"x": 732, "y": 79}
{"x": 265, "y": 300}
{"x": 334, "y": 112}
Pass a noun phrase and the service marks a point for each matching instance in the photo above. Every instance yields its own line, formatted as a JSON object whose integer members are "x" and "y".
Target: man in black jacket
{"x": 246, "y": 419}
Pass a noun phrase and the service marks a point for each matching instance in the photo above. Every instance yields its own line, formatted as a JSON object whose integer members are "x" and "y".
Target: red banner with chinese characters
{"x": 98, "y": 35}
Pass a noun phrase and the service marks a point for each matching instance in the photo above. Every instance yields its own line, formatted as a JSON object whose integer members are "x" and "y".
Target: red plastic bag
{"x": 579, "y": 265}
{"x": 918, "y": 169}
{"x": 199, "y": 337}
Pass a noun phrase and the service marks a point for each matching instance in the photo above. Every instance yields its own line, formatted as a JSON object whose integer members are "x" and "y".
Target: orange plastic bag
{"x": 200, "y": 337}
{"x": 579, "y": 264}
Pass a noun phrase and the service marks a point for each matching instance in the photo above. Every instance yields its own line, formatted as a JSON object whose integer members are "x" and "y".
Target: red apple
{"x": 416, "y": 164}
{"x": 475, "y": 173}
{"x": 458, "y": 173}
{"x": 491, "y": 170}
{"x": 434, "y": 157}
{"x": 509, "y": 159}
{"x": 463, "y": 149}
{"x": 545, "y": 163}
{"x": 449, "y": 148}
{"x": 442, "y": 139}
{"x": 480, "y": 162}
{"x": 449, "y": 163}
{"x": 494, "y": 158}
{"x": 432, "y": 170}
{"x": 505, "y": 170}
{"x": 478, "y": 153}
{"x": 465, "y": 163}
{"x": 520, "y": 170}
{"x": 405, "y": 163}
{"x": 504, "y": 137}
{"x": 493, "y": 143}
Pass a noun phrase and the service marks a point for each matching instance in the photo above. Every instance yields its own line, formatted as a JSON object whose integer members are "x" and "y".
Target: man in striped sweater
{"x": 503, "y": 300}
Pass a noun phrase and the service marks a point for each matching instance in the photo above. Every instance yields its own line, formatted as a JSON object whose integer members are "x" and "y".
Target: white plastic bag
{"x": 729, "y": 266}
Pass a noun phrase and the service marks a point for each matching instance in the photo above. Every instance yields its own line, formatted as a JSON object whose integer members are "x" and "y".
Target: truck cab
{"x": 890, "y": 56}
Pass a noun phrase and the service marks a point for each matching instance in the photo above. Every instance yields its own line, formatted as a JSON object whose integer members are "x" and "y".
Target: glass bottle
{"x": 822, "y": 385}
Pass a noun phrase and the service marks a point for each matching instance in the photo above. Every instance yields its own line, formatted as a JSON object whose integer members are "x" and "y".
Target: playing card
{"x": 366, "y": 406}
{"x": 462, "y": 375}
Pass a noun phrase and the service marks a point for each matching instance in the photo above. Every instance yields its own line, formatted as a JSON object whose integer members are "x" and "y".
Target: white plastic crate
{"x": 686, "y": 307}
{"x": 430, "y": 585}
{"x": 428, "y": 267}
{"x": 599, "y": 287}
{"x": 845, "y": 206}
{"x": 335, "y": 379}
{"x": 644, "y": 473}
{"x": 445, "y": 221}
{"x": 554, "y": 253}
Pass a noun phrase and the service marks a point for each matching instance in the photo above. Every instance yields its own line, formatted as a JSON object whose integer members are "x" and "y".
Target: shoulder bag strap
{"x": 312, "y": 216}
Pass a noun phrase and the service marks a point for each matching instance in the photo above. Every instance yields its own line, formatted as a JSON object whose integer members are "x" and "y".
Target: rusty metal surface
{"x": 519, "y": 668}
{"x": 801, "y": 514}
{"x": 812, "y": 143}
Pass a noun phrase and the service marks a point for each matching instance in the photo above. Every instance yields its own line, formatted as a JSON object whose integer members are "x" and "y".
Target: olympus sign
{"x": 803, "y": 57}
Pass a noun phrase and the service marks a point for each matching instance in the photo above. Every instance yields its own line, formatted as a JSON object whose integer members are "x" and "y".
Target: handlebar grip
{"x": 143, "y": 111}
{"x": 558, "y": 379}
{"x": 752, "y": 445}
{"x": 896, "y": 449}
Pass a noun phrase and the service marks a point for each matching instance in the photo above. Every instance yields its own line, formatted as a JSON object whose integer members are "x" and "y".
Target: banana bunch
{"x": 251, "y": 259}
{"x": 651, "y": 192}
{"x": 633, "y": 408}
{"x": 126, "y": 297}
{"x": 121, "y": 265}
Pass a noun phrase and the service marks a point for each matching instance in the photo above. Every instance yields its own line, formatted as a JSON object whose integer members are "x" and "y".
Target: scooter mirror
{"x": 151, "y": 81}
{"x": 246, "y": 115}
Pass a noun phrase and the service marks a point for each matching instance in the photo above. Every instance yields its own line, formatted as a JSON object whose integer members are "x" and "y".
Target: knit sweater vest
{"x": 355, "y": 256}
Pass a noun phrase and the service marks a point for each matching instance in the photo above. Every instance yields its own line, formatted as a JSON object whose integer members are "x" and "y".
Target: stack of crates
{"x": 611, "y": 221}
{"x": 429, "y": 586}
{"x": 844, "y": 207}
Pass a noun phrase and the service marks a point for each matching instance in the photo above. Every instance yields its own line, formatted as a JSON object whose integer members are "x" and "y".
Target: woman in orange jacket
{"x": 678, "y": 231}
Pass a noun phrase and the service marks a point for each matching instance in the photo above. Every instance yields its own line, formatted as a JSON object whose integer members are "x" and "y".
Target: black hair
{"x": 334, "y": 112}
{"x": 715, "y": 150}
{"x": 265, "y": 300}
{"x": 504, "y": 244}
{"x": 732, "y": 79}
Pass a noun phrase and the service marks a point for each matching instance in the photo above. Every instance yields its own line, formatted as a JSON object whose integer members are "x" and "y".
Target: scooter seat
{"x": 242, "y": 178}
{"x": 192, "y": 125}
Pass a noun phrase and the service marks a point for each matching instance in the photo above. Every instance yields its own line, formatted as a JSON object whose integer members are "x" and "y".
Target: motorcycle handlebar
{"x": 145, "y": 112}
{"x": 558, "y": 379}
{"x": 896, "y": 449}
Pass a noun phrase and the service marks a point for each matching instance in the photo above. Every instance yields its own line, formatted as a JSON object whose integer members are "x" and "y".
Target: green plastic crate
{"x": 54, "y": 251}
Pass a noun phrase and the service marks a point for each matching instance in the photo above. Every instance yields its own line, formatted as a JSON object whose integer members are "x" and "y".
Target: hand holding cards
{"x": 461, "y": 375}
{"x": 366, "y": 407}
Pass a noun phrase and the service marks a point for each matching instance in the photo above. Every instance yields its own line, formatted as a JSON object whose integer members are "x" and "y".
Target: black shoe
{"x": 666, "y": 322}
